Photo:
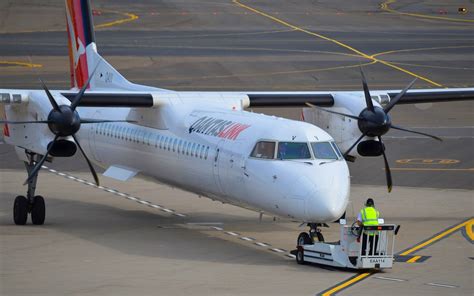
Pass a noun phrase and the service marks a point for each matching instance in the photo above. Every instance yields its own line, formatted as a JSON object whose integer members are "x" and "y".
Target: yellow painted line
{"x": 420, "y": 49}
{"x": 431, "y": 169}
{"x": 386, "y": 6}
{"x": 414, "y": 259}
{"x": 12, "y": 64}
{"x": 347, "y": 283}
{"x": 469, "y": 230}
{"x": 130, "y": 17}
{"x": 438, "y": 237}
{"x": 360, "y": 53}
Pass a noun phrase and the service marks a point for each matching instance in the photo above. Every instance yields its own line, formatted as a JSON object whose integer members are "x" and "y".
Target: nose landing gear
{"x": 314, "y": 234}
{"x": 30, "y": 204}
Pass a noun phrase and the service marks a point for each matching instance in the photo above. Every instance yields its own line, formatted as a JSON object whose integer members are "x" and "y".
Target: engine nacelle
{"x": 370, "y": 148}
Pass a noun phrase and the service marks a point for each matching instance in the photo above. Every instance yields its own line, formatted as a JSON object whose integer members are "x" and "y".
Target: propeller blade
{"x": 91, "y": 168}
{"x": 388, "y": 174}
{"x": 415, "y": 132}
{"x": 368, "y": 98}
{"x": 89, "y": 120}
{"x": 399, "y": 96}
{"x": 77, "y": 99}
{"x": 353, "y": 145}
{"x": 40, "y": 163}
{"x": 50, "y": 96}
{"x": 24, "y": 122}
{"x": 334, "y": 112}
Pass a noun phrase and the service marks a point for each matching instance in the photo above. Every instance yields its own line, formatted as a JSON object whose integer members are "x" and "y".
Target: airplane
{"x": 207, "y": 143}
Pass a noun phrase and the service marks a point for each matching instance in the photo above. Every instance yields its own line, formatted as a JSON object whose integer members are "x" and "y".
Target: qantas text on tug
{"x": 203, "y": 142}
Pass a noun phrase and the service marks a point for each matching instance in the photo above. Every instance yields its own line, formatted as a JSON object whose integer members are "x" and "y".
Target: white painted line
{"x": 290, "y": 256}
{"x": 80, "y": 180}
{"x": 441, "y": 285}
{"x": 111, "y": 190}
{"x": 231, "y": 233}
{"x": 143, "y": 202}
{"x": 277, "y": 250}
{"x": 156, "y": 206}
{"x": 217, "y": 228}
{"x": 245, "y": 238}
{"x": 100, "y": 187}
{"x": 90, "y": 184}
{"x": 179, "y": 214}
{"x": 71, "y": 177}
{"x": 121, "y": 194}
{"x": 62, "y": 174}
{"x": 132, "y": 198}
{"x": 389, "y": 279}
{"x": 204, "y": 223}
{"x": 45, "y": 167}
{"x": 167, "y": 210}
{"x": 262, "y": 244}
{"x": 52, "y": 171}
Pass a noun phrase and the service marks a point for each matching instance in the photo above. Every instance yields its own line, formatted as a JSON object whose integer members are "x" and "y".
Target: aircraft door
{"x": 218, "y": 154}
{"x": 232, "y": 169}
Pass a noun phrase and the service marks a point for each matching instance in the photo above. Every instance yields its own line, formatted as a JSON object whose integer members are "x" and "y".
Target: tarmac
{"x": 145, "y": 238}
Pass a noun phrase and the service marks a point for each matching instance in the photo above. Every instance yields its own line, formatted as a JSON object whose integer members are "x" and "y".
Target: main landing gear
{"x": 31, "y": 204}
{"x": 307, "y": 238}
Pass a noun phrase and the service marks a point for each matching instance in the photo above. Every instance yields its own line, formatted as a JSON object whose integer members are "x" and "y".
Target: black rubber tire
{"x": 320, "y": 236}
{"x": 300, "y": 256}
{"x": 38, "y": 211}
{"x": 20, "y": 210}
{"x": 304, "y": 239}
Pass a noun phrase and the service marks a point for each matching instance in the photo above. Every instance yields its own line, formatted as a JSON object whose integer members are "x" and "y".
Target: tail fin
{"x": 83, "y": 56}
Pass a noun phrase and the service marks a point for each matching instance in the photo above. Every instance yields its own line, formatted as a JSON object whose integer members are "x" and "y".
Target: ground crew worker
{"x": 369, "y": 216}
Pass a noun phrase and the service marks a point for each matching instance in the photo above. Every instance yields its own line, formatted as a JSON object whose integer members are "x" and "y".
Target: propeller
{"x": 64, "y": 121}
{"x": 374, "y": 121}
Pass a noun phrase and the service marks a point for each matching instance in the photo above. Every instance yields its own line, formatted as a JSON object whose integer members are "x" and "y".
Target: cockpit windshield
{"x": 325, "y": 150}
{"x": 293, "y": 150}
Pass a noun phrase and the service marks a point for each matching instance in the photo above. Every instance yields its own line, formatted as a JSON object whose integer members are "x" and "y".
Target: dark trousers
{"x": 373, "y": 242}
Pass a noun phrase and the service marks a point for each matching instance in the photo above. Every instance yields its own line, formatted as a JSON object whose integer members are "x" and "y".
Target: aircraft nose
{"x": 329, "y": 201}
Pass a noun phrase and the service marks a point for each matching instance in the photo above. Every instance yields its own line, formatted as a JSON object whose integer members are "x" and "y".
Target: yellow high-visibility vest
{"x": 370, "y": 216}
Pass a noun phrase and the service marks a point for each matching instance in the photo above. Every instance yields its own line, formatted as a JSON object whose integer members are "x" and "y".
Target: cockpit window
{"x": 324, "y": 150}
{"x": 293, "y": 150}
{"x": 338, "y": 152}
{"x": 264, "y": 149}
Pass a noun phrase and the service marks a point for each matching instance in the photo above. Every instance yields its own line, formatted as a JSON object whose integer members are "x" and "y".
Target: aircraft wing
{"x": 326, "y": 99}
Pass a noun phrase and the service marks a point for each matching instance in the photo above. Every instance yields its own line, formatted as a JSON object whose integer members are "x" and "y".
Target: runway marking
{"x": 345, "y": 284}
{"x": 260, "y": 244}
{"x": 246, "y": 238}
{"x": 360, "y": 53}
{"x": 441, "y": 285}
{"x": 15, "y": 64}
{"x": 435, "y": 238}
{"x": 386, "y": 6}
{"x": 427, "y": 161}
{"x": 389, "y": 279}
{"x": 468, "y": 232}
{"x": 115, "y": 192}
{"x": 130, "y": 17}
{"x": 431, "y": 169}
{"x": 414, "y": 259}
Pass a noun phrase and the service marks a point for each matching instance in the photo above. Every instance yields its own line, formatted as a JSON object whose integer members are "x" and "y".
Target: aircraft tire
{"x": 304, "y": 239}
{"x": 20, "y": 210}
{"x": 38, "y": 211}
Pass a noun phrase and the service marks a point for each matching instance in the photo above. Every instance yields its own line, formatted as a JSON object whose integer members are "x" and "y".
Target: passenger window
{"x": 193, "y": 149}
{"x": 207, "y": 153}
{"x": 264, "y": 149}
{"x": 293, "y": 150}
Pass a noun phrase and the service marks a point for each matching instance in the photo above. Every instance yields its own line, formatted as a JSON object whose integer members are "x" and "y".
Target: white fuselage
{"x": 207, "y": 151}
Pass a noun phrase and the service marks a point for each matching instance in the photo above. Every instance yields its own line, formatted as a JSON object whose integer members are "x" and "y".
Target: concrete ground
{"x": 102, "y": 243}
